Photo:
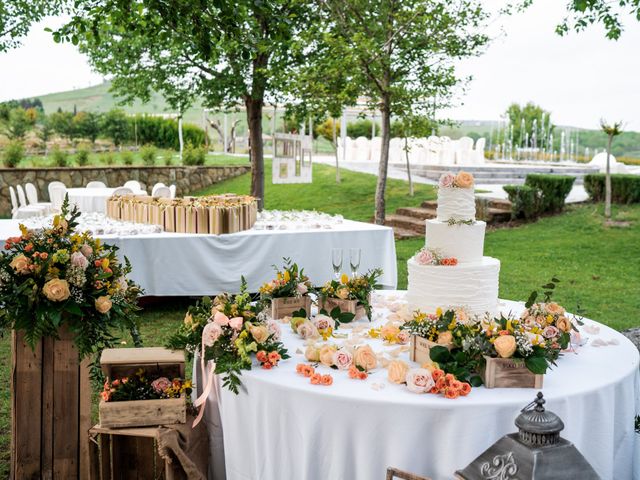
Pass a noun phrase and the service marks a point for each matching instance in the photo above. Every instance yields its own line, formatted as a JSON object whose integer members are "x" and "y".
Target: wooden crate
{"x": 50, "y": 409}
{"x": 348, "y": 306}
{"x": 284, "y": 307}
{"x": 509, "y": 373}
{"x": 118, "y": 362}
{"x": 420, "y": 348}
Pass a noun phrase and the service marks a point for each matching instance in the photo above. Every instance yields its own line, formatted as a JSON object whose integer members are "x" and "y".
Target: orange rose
{"x": 56, "y": 290}
{"x": 505, "y": 345}
{"x": 451, "y": 393}
{"x": 103, "y": 304}
{"x": 326, "y": 380}
{"x": 464, "y": 180}
{"x": 365, "y": 358}
{"x": 316, "y": 378}
{"x": 397, "y": 371}
{"x": 20, "y": 264}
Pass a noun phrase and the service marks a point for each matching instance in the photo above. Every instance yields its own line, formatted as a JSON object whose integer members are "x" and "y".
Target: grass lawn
{"x": 597, "y": 265}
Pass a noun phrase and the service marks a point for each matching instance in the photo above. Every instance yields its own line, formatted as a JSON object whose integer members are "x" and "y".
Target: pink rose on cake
{"x": 425, "y": 257}
{"x": 447, "y": 180}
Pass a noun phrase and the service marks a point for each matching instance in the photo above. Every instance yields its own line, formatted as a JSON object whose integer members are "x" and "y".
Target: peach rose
{"x": 564, "y": 324}
{"x": 397, "y": 371}
{"x": 103, "y": 304}
{"x": 445, "y": 338}
{"x": 326, "y": 354}
{"x": 20, "y": 264}
{"x": 259, "y": 333}
{"x": 505, "y": 345}
{"x": 312, "y": 353}
{"x": 56, "y": 290}
{"x": 343, "y": 293}
{"x": 307, "y": 330}
{"x": 365, "y": 358}
{"x": 554, "y": 309}
{"x": 464, "y": 180}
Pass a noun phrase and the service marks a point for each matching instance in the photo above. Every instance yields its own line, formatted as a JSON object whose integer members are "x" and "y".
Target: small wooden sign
{"x": 509, "y": 373}
{"x": 420, "y": 349}
{"x": 285, "y": 306}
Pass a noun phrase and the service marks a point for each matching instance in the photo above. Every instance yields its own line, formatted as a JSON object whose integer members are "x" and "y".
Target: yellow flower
{"x": 438, "y": 312}
{"x": 287, "y": 277}
{"x": 344, "y": 278}
{"x": 509, "y": 325}
{"x": 105, "y": 263}
{"x": 23, "y": 230}
{"x": 374, "y": 333}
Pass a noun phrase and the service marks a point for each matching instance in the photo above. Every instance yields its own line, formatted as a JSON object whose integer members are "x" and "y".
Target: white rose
{"x": 211, "y": 333}
{"x": 419, "y": 380}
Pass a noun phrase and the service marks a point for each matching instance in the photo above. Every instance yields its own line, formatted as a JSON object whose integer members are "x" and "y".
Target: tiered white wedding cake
{"x": 451, "y": 270}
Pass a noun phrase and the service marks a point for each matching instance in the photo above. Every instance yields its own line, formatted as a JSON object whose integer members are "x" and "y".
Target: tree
{"x": 115, "y": 125}
{"x": 224, "y": 52}
{"x": 17, "y": 16}
{"x": 396, "y": 54}
{"x": 611, "y": 130}
{"x": 45, "y": 132}
{"x": 18, "y": 122}
{"x": 583, "y": 13}
{"x": 329, "y": 129}
{"x": 62, "y": 124}
{"x": 529, "y": 114}
{"x": 87, "y": 125}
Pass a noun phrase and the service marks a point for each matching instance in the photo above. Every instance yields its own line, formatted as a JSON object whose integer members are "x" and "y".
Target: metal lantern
{"x": 537, "y": 451}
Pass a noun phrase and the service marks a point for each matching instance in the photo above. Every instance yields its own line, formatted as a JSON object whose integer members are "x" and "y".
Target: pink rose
{"x": 425, "y": 257}
{"x": 307, "y": 330}
{"x": 236, "y": 323}
{"x": 550, "y": 332}
{"x": 86, "y": 250}
{"x": 403, "y": 337}
{"x": 274, "y": 330}
{"x": 419, "y": 380}
{"x": 79, "y": 260}
{"x": 323, "y": 322}
{"x": 221, "y": 319}
{"x": 302, "y": 288}
{"x": 447, "y": 180}
{"x": 211, "y": 333}
{"x": 161, "y": 384}
{"x": 342, "y": 359}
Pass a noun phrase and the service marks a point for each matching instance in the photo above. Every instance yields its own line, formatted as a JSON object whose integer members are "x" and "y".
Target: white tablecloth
{"x": 285, "y": 428}
{"x": 93, "y": 199}
{"x": 180, "y": 264}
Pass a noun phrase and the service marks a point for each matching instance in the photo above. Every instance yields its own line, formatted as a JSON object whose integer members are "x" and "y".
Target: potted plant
{"x": 352, "y": 295}
{"x": 288, "y": 292}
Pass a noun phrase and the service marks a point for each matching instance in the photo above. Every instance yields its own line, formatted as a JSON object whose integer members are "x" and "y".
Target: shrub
{"x": 108, "y": 158}
{"x": 525, "y": 201}
{"x": 13, "y": 154}
{"x": 82, "y": 157}
{"x": 148, "y": 155}
{"x": 554, "y": 190}
{"x": 127, "y": 157}
{"x": 168, "y": 161}
{"x": 193, "y": 155}
{"x": 362, "y": 128}
{"x": 163, "y": 132}
{"x": 625, "y": 188}
{"x": 60, "y": 157}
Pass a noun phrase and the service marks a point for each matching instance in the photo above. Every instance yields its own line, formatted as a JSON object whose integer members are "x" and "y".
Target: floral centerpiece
{"x": 229, "y": 330}
{"x": 350, "y": 294}
{"x": 56, "y": 278}
{"x": 288, "y": 292}
{"x": 141, "y": 386}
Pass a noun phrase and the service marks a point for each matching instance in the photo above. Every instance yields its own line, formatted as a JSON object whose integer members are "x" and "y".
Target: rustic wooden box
{"x": 284, "y": 307}
{"x": 117, "y": 362}
{"x": 420, "y": 348}
{"x": 346, "y": 306}
{"x": 509, "y": 373}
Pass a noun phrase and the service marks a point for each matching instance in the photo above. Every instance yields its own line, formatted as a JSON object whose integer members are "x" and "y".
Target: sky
{"x": 579, "y": 78}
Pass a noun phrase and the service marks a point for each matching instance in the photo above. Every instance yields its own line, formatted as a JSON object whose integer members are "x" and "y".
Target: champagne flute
{"x": 354, "y": 260}
{"x": 336, "y": 261}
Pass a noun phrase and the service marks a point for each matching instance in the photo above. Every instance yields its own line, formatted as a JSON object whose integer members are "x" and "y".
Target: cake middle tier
{"x": 464, "y": 242}
{"x": 470, "y": 285}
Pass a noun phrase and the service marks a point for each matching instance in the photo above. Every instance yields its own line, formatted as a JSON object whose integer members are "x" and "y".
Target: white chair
{"x": 362, "y": 149}
{"x": 57, "y": 194}
{"x": 155, "y": 187}
{"x": 96, "y": 184}
{"x": 376, "y": 145}
{"x": 396, "y": 150}
{"x": 134, "y": 185}
{"x": 55, "y": 184}
{"x": 464, "y": 151}
{"x": 32, "y": 197}
{"x": 162, "y": 192}
{"x": 118, "y": 192}
{"x": 22, "y": 212}
{"x": 172, "y": 189}
{"x": 479, "y": 151}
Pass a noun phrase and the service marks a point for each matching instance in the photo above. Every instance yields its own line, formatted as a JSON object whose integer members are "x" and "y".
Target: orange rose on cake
{"x": 464, "y": 180}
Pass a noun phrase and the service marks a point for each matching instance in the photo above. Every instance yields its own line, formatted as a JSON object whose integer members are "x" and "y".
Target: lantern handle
{"x": 538, "y": 402}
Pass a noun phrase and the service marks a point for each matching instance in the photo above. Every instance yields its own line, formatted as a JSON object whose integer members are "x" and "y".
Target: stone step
{"x": 417, "y": 212}
{"x": 407, "y": 223}
{"x": 404, "y": 234}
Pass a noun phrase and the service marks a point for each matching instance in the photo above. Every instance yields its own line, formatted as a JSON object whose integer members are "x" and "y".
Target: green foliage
{"x": 127, "y": 157}
{"x": 193, "y": 156}
{"x": 87, "y": 125}
{"x": 19, "y": 121}
{"x": 59, "y": 156}
{"x": 554, "y": 190}
{"x": 583, "y": 13}
{"x": 528, "y": 113}
{"x": 362, "y": 128}
{"x": 62, "y": 124}
{"x": 414, "y": 126}
{"x": 325, "y": 129}
{"x": 82, "y": 156}
{"x": 458, "y": 362}
{"x": 148, "y": 154}
{"x": 525, "y": 201}
{"x": 108, "y": 158}
{"x": 116, "y": 126}
{"x": 17, "y": 16}
{"x": 13, "y": 153}
{"x": 625, "y": 188}
{"x": 163, "y": 132}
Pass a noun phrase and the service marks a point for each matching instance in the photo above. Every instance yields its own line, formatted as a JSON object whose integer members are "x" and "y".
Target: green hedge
{"x": 163, "y": 132}
{"x": 554, "y": 190}
{"x": 624, "y": 188}
{"x": 525, "y": 201}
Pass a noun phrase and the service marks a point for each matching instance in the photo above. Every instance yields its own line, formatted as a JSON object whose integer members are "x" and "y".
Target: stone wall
{"x": 187, "y": 179}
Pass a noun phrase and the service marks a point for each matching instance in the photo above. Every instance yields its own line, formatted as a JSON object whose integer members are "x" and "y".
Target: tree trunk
{"x": 180, "y": 138}
{"x": 607, "y": 183}
{"x": 335, "y": 145}
{"x": 384, "y": 161}
{"x": 254, "y": 119}
{"x": 406, "y": 153}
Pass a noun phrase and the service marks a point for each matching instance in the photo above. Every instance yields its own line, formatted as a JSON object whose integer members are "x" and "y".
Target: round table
{"x": 93, "y": 199}
{"x": 281, "y": 426}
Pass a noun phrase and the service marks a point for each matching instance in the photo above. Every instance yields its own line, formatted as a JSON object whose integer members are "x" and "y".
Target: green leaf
{"x": 536, "y": 364}
{"x": 475, "y": 381}
{"x": 532, "y": 299}
{"x": 439, "y": 354}
{"x": 335, "y": 313}
{"x": 346, "y": 317}
{"x": 302, "y": 313}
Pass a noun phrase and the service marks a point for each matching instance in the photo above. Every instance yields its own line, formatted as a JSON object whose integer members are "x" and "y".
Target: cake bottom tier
{"x": 471, "y": 285}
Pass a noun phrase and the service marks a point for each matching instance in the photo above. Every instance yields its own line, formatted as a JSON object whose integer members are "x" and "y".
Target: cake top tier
{"x": 456, "y": 198}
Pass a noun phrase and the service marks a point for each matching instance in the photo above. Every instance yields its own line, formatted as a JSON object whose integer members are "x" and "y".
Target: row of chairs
{"x": 25, "y": 204}
{"x": 158, "y": 190}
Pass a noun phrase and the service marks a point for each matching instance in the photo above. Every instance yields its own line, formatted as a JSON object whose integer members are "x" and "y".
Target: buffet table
{"x": 93, "y": 199}
{"x": 281, "y": 426}
{"x": 182, "y": 264}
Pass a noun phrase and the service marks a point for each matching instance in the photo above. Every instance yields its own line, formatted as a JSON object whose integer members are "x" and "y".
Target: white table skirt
{"x": 284, "y": 427}
{"x": 180, "y": 264}
{"x": 93, "y": 199}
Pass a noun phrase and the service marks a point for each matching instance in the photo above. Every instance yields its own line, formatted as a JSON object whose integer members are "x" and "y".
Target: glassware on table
{"x": 336, "y": 261}
{"x": 354, "y": 260}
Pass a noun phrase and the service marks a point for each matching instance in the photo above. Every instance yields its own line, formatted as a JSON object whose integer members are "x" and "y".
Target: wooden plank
{"x": 105, "y": 457}
{"x": 65, "y": 407}
{"x": 26, "y": 390}
{"x": 509, "y": 373}
{"x": 94, "y": 460}
{"x": 143, "y": 412}
{"x": 48, "y": 362}
{"x": 124, "y": 464}
{"x": 145, "y": 457}
{"x": 152, "y": 355}
{"x": 85, "y": 393}
{"x": 149, "y": 432}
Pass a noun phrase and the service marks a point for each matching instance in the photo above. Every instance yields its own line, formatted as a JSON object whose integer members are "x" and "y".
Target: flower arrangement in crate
{"x": 56, "y": 278}
{"x": 141, "y": 386}
{"x": 228, "y": 331}
{"x": 351, "y": 295}
{"x": 288, "y": 292}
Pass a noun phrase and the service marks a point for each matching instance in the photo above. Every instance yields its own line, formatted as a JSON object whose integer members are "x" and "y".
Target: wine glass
{"x": 354, "y": 260}
{"x": 336, "y": 261}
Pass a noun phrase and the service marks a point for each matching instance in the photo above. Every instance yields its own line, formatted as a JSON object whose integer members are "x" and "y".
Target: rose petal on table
{"x": 591, "y": 329}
